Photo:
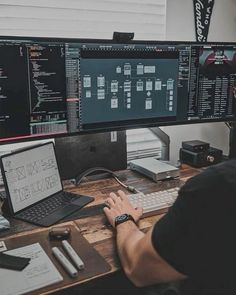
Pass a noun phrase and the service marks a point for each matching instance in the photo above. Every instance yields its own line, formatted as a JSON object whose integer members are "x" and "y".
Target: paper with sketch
{"x": 39, "y": 273}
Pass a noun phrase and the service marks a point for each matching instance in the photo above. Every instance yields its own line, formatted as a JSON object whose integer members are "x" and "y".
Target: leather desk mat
{"x": 94, "y": 264}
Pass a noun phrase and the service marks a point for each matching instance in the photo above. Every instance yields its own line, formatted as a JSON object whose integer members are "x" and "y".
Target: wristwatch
{"x": 123, "y": 218}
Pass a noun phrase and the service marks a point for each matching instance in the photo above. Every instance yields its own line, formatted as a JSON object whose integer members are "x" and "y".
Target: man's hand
{"x": 118, "y": 204}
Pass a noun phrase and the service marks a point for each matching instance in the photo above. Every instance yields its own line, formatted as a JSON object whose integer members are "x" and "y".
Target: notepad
{"x": 39, "y": 273}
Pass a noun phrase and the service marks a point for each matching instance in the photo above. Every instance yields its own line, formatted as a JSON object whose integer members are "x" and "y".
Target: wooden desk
{"x": 94, "y": 228}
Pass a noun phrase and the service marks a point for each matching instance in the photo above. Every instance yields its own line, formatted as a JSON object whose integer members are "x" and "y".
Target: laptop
{"x": 33, "y": 186}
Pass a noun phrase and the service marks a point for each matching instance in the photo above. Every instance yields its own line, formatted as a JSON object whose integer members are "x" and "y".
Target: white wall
{"x": 180, "y": 26}
{"x": 180, "y": 21}
{"x": 83, "y": 18}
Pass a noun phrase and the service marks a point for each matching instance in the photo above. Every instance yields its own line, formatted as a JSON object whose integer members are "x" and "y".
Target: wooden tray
{"x": 95, "y": 264}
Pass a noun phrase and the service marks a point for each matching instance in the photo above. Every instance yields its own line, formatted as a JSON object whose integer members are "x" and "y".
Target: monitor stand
{"x": 165, "y": 140}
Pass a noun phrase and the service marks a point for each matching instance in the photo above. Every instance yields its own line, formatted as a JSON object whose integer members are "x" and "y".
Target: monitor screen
{"x": 54, "y": 87}
{"x": 123, "y": 86}
{"x": 211, "y": 82}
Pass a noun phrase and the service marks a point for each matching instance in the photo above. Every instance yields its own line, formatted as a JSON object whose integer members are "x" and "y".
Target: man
{"x": 194, "y": 242}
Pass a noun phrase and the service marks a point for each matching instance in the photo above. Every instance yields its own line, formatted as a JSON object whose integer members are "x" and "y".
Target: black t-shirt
{"x": 198, "y": 234}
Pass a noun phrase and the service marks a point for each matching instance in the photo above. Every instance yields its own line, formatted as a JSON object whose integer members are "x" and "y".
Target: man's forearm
{"x": 128, "y": 236}
{"x": 140, "y": 260}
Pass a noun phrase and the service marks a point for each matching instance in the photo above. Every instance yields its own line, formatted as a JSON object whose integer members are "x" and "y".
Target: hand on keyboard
{"x": 155, "y": 201}
{"x": 118, "y": 204}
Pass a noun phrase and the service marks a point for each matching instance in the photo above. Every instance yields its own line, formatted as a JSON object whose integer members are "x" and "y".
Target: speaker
{"x": 195, "y": 145}
{"x": 201, "y": 159}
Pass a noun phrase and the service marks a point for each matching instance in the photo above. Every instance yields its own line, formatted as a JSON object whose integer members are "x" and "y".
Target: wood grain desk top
{"x": 95, "y": 228}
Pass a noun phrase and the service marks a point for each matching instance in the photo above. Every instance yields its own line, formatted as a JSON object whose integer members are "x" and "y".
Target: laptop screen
{"x": 31, "y": 175}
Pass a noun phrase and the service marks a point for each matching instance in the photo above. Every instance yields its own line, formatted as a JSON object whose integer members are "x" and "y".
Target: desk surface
{"x": 93, "y": 228}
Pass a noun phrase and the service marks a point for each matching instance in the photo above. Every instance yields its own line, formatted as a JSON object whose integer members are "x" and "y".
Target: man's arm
{"x": 141, "y": 262}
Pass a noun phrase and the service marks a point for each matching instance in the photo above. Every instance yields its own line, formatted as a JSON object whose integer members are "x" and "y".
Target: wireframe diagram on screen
{"x": 31, "y": 175}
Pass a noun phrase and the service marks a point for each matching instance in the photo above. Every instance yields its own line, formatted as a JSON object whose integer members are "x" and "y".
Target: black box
{"x": 195, "y": 145}
{"x": 201, "y": 159}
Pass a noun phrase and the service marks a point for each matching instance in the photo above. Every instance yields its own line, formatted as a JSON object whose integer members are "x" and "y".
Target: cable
{"x": 80, "y": 177}
{"x": 128, "y": 187}
{"x": 228, "y": 125}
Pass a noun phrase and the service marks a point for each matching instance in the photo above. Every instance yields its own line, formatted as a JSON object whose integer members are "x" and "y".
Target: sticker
{"x": 2, "y": 246}
{"x": 114, "y": 136}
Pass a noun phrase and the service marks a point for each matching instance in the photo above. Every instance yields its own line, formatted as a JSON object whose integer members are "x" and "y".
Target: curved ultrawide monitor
{"x": 54, "y": 87}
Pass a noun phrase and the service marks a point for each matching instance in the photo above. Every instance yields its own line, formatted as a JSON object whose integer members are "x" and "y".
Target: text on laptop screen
{"x": 31, "y": 175}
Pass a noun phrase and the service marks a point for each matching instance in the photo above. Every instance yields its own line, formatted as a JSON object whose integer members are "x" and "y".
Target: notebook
{"x": 40, "y": 272}
{"x": 34, "y": 188}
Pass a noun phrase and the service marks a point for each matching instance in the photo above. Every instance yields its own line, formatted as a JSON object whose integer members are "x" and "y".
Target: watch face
{"x": 121, "y": 217}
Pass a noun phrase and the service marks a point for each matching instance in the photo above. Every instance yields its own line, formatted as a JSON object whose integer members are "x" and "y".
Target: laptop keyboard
{"x": 47, "y": 207}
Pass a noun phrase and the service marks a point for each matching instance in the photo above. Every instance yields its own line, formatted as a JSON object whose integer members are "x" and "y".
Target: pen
{"x": 68, "y": 267}
{"x": 73, "y": 255}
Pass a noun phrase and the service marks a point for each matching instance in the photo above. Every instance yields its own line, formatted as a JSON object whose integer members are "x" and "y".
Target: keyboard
{"x": 47, "y": 207}
{"x": 154, "y": 202}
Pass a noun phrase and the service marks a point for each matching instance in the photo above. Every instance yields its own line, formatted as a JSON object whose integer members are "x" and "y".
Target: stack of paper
{"x": 39, "y": 273}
